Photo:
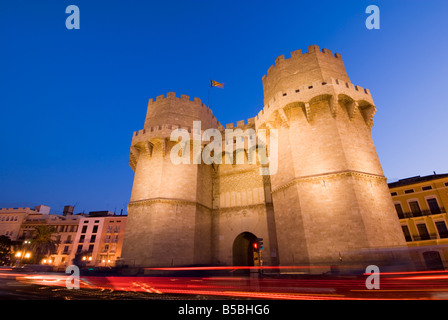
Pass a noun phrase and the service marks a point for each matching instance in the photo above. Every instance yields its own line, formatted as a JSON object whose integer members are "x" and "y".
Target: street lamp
{"x": 23, "y": 254}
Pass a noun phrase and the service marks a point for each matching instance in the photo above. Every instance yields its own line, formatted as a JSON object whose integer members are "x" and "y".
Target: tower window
{"x": 409, "y": 191}
{"x": 426, "y": 188}
{"x": 393, "y": 194}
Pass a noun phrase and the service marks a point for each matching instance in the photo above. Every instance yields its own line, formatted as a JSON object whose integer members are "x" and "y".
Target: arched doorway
{"x": 433, "y": 260}
{"x": 243, "y": 249}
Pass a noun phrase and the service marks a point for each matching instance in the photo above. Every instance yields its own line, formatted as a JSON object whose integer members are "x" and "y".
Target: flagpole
{"x": 209, "y": 87}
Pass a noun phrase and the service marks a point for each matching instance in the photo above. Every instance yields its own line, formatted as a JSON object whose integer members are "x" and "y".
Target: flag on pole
{"x": 214, "y": 83}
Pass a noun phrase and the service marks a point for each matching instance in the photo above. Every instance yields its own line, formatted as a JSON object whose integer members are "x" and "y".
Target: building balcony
{"x": 424, "y": 237}
{"x": 422, "y": 213}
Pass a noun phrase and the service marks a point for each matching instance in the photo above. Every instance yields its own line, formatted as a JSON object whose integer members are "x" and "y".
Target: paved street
{"x": 43, "y": 286}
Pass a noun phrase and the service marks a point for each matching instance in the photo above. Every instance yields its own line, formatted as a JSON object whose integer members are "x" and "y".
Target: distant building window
{"x": 95, "y": 229}
{"x": 426, "y": 188}
{"x": 81, "y": 239}
{"x": 93, "y": 238}
{"x": 415, "y": 208}
{"x": 407, "y": 234}
{"x": 79, "y": 249}
{"x": 442, "y": 229}
{"x": 97, "y": 221}
{"x": 446, "y": 184}
{"x": 91, "y": 247}
{"x": 84, "y": 229}
{"x": 86, "y": 221}
{"x": 399, "y": 210}
{"x": 423, "y": 231}
{"x": 433, "y": 205}
{"x": 393, "y": 194}
{"x": 409, "y": 191}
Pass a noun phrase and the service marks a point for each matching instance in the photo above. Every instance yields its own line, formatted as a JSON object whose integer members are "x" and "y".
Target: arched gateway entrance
{"x": 243, "y": 249}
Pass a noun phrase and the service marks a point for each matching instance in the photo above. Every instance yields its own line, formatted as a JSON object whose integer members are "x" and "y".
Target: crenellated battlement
{"x": 297, "y": 54}
{"x": 242, "y": 124}
{"x": 13, "y": 210}
{"x": 172, "y": 98}
{"x": 172, "y": 95}
{"x": 180, "y": 111}
{"x": 302, "y": 68}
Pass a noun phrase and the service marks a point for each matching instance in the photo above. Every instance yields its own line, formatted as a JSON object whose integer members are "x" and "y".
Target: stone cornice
{"x": 146, "y": 202}
{"x": 330, "y": 175}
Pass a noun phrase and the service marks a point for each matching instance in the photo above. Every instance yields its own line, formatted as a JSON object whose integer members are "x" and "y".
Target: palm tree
{"x": 43, "y": 243}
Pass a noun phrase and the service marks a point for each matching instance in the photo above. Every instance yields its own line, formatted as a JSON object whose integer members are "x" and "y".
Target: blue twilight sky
{"x": 71, "y": 99}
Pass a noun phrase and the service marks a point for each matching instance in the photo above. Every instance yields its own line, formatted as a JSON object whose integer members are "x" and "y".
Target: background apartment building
{"x": 99, "y": 239}
{"x": 98, "y": 235}
{"x": 421, "y": 204}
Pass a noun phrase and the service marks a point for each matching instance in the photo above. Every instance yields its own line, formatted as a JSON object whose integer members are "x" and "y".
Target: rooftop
{"x": 416, "y": 179}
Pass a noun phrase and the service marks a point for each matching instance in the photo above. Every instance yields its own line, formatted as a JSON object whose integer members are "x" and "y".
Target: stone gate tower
{"x": 328, "y": 197}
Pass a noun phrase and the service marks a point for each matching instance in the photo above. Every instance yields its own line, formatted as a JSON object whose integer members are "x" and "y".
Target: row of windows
{"x": 67, "y": 228}
{"x": 416, "y": 210}
{"x": 424, "y": 188}
{"x": 8, "y": 218}
{"x": 98, "y": 221}
{"x": 106, "y": 248}
{"x": 108, "y": 238}
{"x": 110, "y": 229}
{"x": 8, "y": 233}
{"x": 423, "y": 233}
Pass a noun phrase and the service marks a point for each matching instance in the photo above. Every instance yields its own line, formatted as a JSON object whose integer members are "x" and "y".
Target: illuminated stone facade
{"x": 328, "y": 197}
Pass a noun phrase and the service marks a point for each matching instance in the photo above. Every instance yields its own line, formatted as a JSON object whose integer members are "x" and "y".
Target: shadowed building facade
{"x": 327, "y": 198}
